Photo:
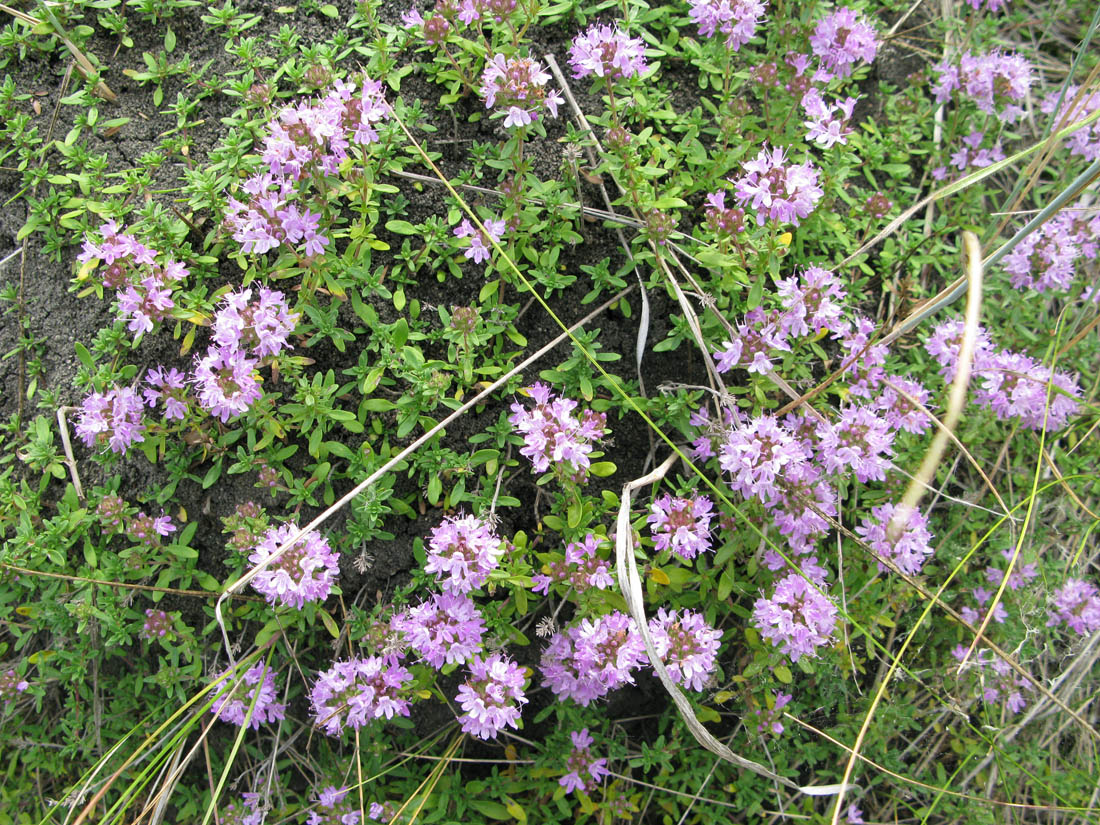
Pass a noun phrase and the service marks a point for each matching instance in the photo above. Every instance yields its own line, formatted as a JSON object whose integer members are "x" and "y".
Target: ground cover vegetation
{"x": 517, "y": 410}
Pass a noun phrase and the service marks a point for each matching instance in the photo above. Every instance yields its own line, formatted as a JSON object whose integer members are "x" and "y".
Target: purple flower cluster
{"x": 797, "y": 618}
{"x": 448, "y": 14}
{"x": 491, "y": 696}
{"x": 810, "y": 303}
{"x": 769, "y": 718}
{"x": 462, "y": 552}
{"x": 304, "y": 573}
{"x": 972, "y": 153}
{"x": 752, "y": 344}
{"x": 480, "y": 250}
{"x": 1084, "y": 142}
{"x": 1011, "y": 384}
{"x": 12, "y": 684}
{"x": 608, "y": 52}
{"x": 351, "y": 693}
{"x": 860, "y": 440}
{"x": 1077, "y": 605}
{"x": 226, "y": 382}
{"x": 517, "y": 87}
{"x": 581, "y": 569}
{"x": 112, "y": 418}
{"x": 687, "y": 645}
{"x": 681, "y": 525}
{"x": 589, "y": 660}
{"x": 996, "y": 678}
{"x": 776, "y": 189}
{"x": 167, "y": 386}
{"x": 1014, "y": 385}
{"x": 233, "y": 707}
{"x": 736, "y": 19}
{"x": 991, "y": 5}
{"x": 997, "y": 82}
{"x": 903, "y": 541}
{"x": 309, "y": 138}
{"x": 244, "y": 332}
{"x": 759, "y": 454}
{"x": 553, "y": 436}
{"x": 445, "y": 629}
{"x": 333, "y": 807}
{"x": 259, "y": 328}
{"x": 111, "y": 511}
{"x": 157, "y": 625}
{"x": 840, "y": 40}
{"x": 585, "y": 772}
{"x": 248, "y": 810}
{"x": 1046, "y": 258}
{"x": 145, "y": 285}
{"x": 147, "y": 530}
{"x": 722, "y": 220}
{"x": 1021, "y": 575}
{"x": 828, "y": 122}
{"x": 981, "y": 597}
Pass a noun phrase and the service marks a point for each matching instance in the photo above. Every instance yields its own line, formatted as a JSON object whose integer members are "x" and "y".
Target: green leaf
{"x": 329, "y": 623}
{"x": 493, "y": 810}
{"x": 329, "y": 10}
{"x": 84, "y": 356}
{"x": 705, "y": 714}
{"x": 783, "y": 674}
{"x": 575, "y": 512}
{"x": 603, "y": 469}
{"x": 169, "y": 41}
{"x": 212, "y": 475}
{"x": 401, "y": 227}
{"x": 756, "y": 293}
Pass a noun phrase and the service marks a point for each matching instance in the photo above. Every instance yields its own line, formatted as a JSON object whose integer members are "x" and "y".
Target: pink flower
{"x": 607, "y": 51}
{"x": 1077, "y": 604}
{"x": 906, "y": 543}
{"x": 797, "y": 618}
{"x": 479, "y": 250}
{"x": 585, "y": 772}
{"x": 777, "y": 190}
{"x": 304, "y": 573}
{"x": 582, "y": 568}
{"x": 492, "y": 696}
{"x": 226, "y": 383}
{"x": 462, "y": 552}
{"x": 736, "y": 19}
{"x": 681, "y": 525}
{"x": 351, "y": 693}
{"x": 518, "y": 87}
{"x": 587, "y": 661}
{"x": 840, "y": 40}
{"x": 446, "y": 629}
{"x": 554, "y": 437}
{"x": 234, "y": 706}
{"x": 687, "y": 645}
{"x": 112, "y": 418}
{"x": 258, "y": 327}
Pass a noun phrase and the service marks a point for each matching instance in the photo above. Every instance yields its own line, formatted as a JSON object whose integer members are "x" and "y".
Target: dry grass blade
{"x": 957, "y": 397}
{"x": 630, "y": 584}
{"x": 927, "y": 470}
{"x": 85, "y": 65}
